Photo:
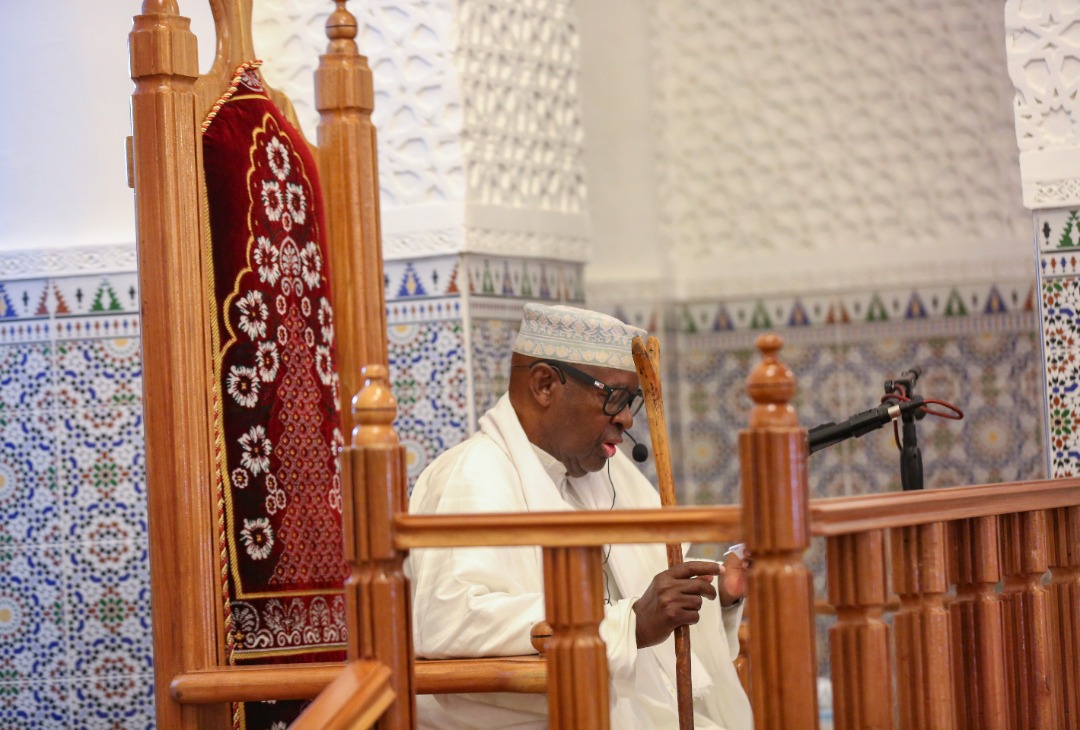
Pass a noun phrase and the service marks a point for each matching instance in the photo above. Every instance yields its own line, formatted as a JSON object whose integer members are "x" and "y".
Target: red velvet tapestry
{"x": 278, "y": 416}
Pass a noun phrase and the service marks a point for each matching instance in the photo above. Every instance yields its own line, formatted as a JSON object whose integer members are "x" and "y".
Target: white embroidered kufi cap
{"x": 576, "y": 336}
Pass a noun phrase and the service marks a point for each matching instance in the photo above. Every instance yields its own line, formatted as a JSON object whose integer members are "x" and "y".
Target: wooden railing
{"x": 983, "y": 582}
{"x": 980, "y": 640}
{"x": 573, "y": 545}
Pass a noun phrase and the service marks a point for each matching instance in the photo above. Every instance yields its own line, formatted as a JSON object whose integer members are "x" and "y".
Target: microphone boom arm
{"x": 828, "y": 434}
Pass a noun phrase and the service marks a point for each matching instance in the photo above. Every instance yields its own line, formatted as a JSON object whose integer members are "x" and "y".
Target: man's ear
{"x": 542, "y": 379}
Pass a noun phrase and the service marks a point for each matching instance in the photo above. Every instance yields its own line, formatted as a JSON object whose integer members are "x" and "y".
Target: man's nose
{"x": 624, "y": 418}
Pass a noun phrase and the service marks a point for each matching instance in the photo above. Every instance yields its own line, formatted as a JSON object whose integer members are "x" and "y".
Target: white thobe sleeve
{"x": 619, "y": 633}
{"x": 730, "y": 618}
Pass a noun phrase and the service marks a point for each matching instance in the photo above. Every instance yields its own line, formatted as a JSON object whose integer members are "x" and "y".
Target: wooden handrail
{"x": 254, "y": 684}
{"x": 520, "y": 674}
{"x": 357, "y": 697}
{"x": 569, "y": 529}
{"x": 847, "y": 515}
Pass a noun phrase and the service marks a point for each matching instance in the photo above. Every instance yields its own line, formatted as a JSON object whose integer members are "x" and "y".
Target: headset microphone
{"x": 640, "y": 452}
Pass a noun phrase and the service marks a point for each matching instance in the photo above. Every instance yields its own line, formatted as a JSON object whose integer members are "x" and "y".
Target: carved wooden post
{"x": 576, "y": 659}
{"x": 348, "y": 167}
{"x": 859, "y": 640}
{"x": 1026, "y": 605}
{"x": 923, "y": 632}
{"x": 1064, "y": 588}
{"x": 176, "y": 369}
{"x": 776, "y": 522}
{"x": 377, "y": 592}
{"x": 373, "y": 469}
{"x": 977, "y": 626}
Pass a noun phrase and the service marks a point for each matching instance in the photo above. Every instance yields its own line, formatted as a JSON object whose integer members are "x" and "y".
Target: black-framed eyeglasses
{"x": 617, "y": 398}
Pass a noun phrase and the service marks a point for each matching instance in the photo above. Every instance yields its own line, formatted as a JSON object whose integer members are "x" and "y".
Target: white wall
{"x": 63, "y": 173}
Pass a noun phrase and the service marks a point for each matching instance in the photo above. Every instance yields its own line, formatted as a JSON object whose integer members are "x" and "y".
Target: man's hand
{"x": 732, "y": 586}
{"x": 674, "y": 599}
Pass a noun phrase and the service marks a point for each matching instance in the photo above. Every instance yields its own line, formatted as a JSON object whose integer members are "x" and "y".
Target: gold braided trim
{"x": 233, "y": 85}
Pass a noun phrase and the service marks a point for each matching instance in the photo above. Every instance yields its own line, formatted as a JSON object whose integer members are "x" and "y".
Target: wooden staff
{"x": 647, "y": 362}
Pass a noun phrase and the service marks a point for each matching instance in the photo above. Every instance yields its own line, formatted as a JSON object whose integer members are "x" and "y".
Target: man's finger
{"x": 697, "y": 587}
{"x": 693, "y": 568}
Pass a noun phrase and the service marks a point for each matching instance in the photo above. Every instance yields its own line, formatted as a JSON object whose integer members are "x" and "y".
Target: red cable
{"x": 953, "y": 414}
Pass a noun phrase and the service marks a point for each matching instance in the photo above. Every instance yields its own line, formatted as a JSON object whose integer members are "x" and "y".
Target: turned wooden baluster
{"x": 1026, "y": 606}
{"x": 377, "y": 593}
{"x": 1064, "y": 589}
{"x": 780, "y": 605}
{"x": 977, "y": 627}
{"x": 924, "y": 682}
{"x": 576, "y": 658}
{"x": 859, "y": 640}
{"x": 348, "y": 168}
{"x": 177, "y": 371}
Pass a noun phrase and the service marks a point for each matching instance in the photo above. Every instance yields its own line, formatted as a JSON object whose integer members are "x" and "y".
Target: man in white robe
{"x": 548, "y": 445}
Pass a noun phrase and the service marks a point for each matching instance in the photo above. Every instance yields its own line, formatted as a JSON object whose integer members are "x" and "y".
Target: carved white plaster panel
{"x": 527, "y": 244}
{"x": 417, "y": 244}
{"x": 1043, "y": 48}
{"x": 408, "y": 44}
{"x": 476, "y": 109}
{"x": 289, "y": 36}
{"x": 873, "y": 133}
{"x": 68, "y": 261}
{"x": 522, "y": 136}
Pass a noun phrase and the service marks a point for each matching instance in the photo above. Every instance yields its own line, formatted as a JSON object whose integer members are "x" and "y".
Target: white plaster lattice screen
{"x": 815, "y": 144}
{"x": 1043, "y": 45}
{"x": 802, "y": 146}
{"x": 480, "y": 139}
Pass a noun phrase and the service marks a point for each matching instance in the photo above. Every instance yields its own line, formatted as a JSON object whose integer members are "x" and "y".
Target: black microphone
{"x": 640, "y": 452}
{"x": 828, "y": 434}
{"x": 915, "y": 372}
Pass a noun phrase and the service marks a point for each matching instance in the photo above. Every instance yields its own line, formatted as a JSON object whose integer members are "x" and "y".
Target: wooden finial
{"x": 374, "y": 409}
{"x": 160, "y": 7}
{"x": 771, "y": 386}
{"x": 540, "y": 636}
{"x": 341, "y": 29}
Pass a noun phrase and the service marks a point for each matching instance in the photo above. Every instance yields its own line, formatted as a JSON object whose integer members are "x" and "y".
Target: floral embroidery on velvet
{"x": 278, "y": 392}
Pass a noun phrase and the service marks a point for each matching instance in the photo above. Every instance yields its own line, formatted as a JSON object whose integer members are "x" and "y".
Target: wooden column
{"x": 1026, "y": 607}
{"x": 924, "y": 682}
{"x": 780, "y": 605}
{"x": 176, "y": 368}
{"x": 1064, "y": 588}
{"x": 977, "y": 627}
{"x": 377, "y": 592}
{"x": 578, "y": 692}
{"x": 348, "y": 169}
{"x": 859, "y": 640}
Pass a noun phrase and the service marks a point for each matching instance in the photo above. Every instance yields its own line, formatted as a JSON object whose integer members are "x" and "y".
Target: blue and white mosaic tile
{"x": 1058, "y": 233}
{"x": 30, "y": 500}
{"x": 34, "y": 627}
{"x": 74, "y": 581}
{"x": 112, "y": 700}
{"x": 26, "y": 371}
{"x": 34, "y": 705}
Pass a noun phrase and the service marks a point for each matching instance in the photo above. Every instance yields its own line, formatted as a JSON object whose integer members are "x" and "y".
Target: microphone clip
{"x": 903, "y": 388}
